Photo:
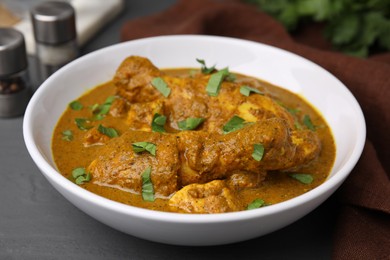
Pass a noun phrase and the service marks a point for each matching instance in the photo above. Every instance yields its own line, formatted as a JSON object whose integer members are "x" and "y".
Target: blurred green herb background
{"x": 355, "y": 27}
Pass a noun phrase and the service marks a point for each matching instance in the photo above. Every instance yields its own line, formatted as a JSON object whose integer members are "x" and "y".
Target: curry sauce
{"x": 72, "y": 151}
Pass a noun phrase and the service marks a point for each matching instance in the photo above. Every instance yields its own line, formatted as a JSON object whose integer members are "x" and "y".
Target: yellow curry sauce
{"x": 277, "y": 186}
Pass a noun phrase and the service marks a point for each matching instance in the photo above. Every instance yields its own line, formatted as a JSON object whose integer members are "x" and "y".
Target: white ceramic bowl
{"x": 279, "y": 67}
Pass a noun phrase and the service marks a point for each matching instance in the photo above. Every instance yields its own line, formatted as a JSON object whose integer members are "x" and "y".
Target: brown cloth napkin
{"x": 363, "y": 226}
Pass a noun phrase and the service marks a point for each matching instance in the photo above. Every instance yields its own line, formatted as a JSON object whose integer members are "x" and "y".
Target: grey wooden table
{"x": 36, "y": 222}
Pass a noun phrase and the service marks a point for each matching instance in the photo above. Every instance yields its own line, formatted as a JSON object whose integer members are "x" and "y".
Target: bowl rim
{"x": 53, "y": 175}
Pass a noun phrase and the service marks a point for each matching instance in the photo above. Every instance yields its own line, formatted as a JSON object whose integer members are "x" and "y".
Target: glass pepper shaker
{"x": 55, "y": 35}
{"x": 15, "y": 89}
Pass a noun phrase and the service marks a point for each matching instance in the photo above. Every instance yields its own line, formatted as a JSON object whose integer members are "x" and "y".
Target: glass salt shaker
{"x": 15, "y": 88}
{"x": 55, "y": 35}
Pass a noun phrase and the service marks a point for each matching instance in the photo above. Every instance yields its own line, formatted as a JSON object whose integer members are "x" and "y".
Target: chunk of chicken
{"x": 119, "y": 166}
{"x": 188, "y": 97}
{"x": 94, "y": 137}
{"x": 199, "y": 157}
{"x": 212, "y": 197}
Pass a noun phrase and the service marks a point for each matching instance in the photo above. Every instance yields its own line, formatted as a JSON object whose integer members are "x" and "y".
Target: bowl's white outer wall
{"x": 279, "y": 67}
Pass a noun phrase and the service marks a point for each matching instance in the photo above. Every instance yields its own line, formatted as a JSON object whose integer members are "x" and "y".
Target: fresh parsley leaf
{"x": 80, "y": 175}
{"x": 204, "y": 68}
{"x": 110, "y": 132}
{"x": 67, "y": 135}
{"x": 215, "y": 81}
{"x": 147, "y": 185}
{"x": 297, "y": 125}
{"x": 255, "y": 204}
{"x": 83, "y": 179}
{"x": 161, "y": 86}
{"x": 345, "y": 30}
{"x": 158, "y": 123}
{"x": 76, "y": 105}
{"x": 190, "y": 123}
{"x": 246, "y": 91}
{"x": 100, "y": 111}
{"x": 308, "y": 123}
{"x": 355, "y": 28}
{"x": 258, "y": 152}
{"x": 293, "y": 111}
{"x": 302, "y": 177}
{"x": 144, "y": 146}
{"x": 78, "y": 172}
{"x": 235, "y": 123}
{"x": 231, "y": 77}
{"x": 83, "y": 124}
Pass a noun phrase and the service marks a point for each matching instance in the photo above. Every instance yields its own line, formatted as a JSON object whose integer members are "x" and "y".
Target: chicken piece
{"x": 120, "y": 167}
{"x": 244, "y": 180}
{"x": 140, "y": 115}
{"x": 207, "y": 157}
{"x": 188, "y": 97}
{"x": 95, "y": 137}
{"x": 135, "y": 74}
{"x": 199, "y": 157}
{"x": 118, "y": 108}
{"x": 212, "y": 197}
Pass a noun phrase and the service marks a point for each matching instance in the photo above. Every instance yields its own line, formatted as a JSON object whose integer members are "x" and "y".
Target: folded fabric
{"x": 363, "y": 228}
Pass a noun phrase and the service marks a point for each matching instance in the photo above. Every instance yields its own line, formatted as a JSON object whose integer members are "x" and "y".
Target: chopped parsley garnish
{"x": 83, "y": 124}
{"x": 293, "y": 111}
{"x": 144, "y": 146}
{"x": 190, "y": 123}
{"x": 246, "y": 91}
{"x": 233, "y": 124}
{"x": 204, "y": 69}
{"x": 67, "y": 135}
{"x": 215, "y": 81}
{"x": 307, "y": 122}
{"x": 147, "y": 185}
{"x": 255, "y": 204}
{"x": 258, "y": 152}
{"x": 297, "y": 125}
{"x": 110, "y": 132}
{"x": 158, "y": 123}
{"x": 100, "y": 111}
{"x": 76, "y": 105}
{"x": 161, "y": 86}
{"x": 80, "y": 176}
{"x": 302, "y": 177}
{"x": 231, "y": 77}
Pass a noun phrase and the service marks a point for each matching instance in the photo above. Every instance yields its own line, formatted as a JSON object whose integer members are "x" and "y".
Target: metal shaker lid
{"x": 12, "y": 51}
{"x": 53, "y": 22}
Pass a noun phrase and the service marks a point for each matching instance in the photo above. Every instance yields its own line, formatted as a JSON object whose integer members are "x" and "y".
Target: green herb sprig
{"x": 83, "y": 123}
{"x": 110, "y": 132}
{"x": 255, "y": 204}
{"x": 308, "y": 123}
{"x": 100, "y": 111}
{"x": 161, "y": 86}
{"x": 258, "y": 152}
{"x": 76, "y": 105}
{"x": 235, "y": 123}
{"x": 204, "y": 69}
{"x": 246, "y": 91}
{"x": 302, "y": 177}
{"x": 215, "y": 81}
{"x": 357, "y": 28}
{"x": 67, "y": 135}
{"x": 158, "y": 123}
{"x": 139, "y": 147}
{"x": 80, "y": 175}
{"x": 147, "y": 185}
{"x": 190, "y": 123}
